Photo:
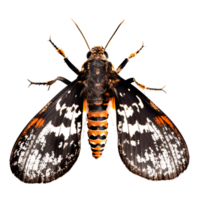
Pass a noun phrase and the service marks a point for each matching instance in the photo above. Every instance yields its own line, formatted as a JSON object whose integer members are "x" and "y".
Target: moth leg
{"x": 63, "y": 54}
{"x": 150, "y": 88}
{"x": 48, "y": 84}
{"x": 124, "y": 62}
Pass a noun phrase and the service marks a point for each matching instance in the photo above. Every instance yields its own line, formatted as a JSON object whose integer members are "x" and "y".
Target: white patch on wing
{"x": 71, "y": 142}
{"x": 24, "y": 147}
{"x": 36, "y": 164}
{"x": 49, "y": 128}
{"x": 69, "y": 113}
{"x": 150, "y": 171}
{"x": 58, "y": 107}
{"x": 140, "y": 159}
{"x": 65, "y": 144}
{"x": 140, "y": 102}
{"x": 122, "y": 95}
{"x": 133, "y": 143}
{"x": 129, "y": 128}
{"x": 137, "y": 127}
{"x": 60, "y": 145}
{"x": 128, "y": 110}
{"x": 123, "y": 127}
{"x": 126, "y": 141}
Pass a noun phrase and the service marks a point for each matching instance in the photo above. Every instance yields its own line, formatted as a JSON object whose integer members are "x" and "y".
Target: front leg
{"x": 124, "y": 62}
{"x": 61, "y": 52}
{"x": 150, "y": 88}
{"x": 48, "y": 84}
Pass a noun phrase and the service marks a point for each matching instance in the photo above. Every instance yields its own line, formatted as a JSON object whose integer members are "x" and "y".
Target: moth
{"x": 149, "y": 143}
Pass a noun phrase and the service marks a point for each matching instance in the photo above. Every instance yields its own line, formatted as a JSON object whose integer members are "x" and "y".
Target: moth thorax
{"x": 97, "y": 77}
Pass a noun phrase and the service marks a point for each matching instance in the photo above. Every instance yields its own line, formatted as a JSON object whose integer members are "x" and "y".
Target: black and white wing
{"x": 149, "y": 143}
{"x": 50, "y": 144}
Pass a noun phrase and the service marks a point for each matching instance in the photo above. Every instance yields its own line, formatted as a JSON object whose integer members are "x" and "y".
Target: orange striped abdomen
{"x": 97, "y": 129}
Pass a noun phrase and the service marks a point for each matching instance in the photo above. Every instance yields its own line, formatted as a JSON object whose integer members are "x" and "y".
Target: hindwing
{"x": 149, "y": 143}
{"x": 50, "y": 144}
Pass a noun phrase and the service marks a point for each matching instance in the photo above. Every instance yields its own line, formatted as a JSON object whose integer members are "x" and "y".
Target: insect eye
{"x": 107, "y": 54}
{"x": 87, "y": 54}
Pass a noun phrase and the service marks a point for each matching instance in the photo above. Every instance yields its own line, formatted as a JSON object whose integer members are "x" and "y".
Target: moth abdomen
{"x": 97, "y": 128}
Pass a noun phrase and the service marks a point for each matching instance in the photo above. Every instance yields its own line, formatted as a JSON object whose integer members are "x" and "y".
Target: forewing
{"x": 49, "y": 145}
{"x": 149, "y": 143}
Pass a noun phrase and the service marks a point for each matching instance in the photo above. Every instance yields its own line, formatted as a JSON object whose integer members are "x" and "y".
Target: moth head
{"x": 97, "y": 51}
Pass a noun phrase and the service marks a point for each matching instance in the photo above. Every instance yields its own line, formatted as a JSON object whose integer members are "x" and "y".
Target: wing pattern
{"x": 149, "y": 143}
{"x": 50, "y": 143}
